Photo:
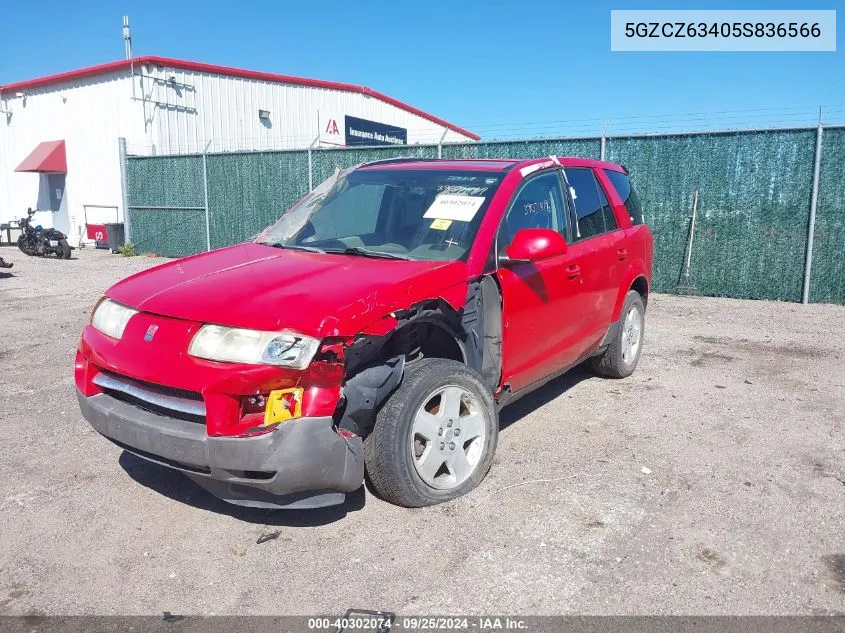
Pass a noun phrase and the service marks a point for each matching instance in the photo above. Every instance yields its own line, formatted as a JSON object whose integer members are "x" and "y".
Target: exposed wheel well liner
{"x": 432, "y": 329}
{"x": 641, "y": 286}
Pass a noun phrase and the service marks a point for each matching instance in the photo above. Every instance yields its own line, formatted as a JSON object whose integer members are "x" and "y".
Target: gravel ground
{"x": 710, "y": 482}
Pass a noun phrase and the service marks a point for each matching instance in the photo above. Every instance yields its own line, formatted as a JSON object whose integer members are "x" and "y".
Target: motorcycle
{"x": 37, "y": 241}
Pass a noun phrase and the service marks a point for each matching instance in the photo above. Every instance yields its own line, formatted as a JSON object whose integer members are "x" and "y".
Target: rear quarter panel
{"x": 638, "y": 241}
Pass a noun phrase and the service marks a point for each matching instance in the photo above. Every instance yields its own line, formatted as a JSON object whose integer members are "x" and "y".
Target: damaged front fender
{"x": 374, "y": 360}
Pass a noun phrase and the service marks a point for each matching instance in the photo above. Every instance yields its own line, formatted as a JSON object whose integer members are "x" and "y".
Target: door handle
{"x": 573, "y": 270}
{"x": 622, "y": 253}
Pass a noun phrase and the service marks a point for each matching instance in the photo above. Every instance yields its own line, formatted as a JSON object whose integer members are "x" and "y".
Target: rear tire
{"x": 63, "y": 251}
{"x": 434, "y": 437}
{"x": 620, "y": 358}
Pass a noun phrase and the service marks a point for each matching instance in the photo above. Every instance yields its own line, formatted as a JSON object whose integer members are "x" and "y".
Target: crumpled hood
{"x": 256, "y": 286}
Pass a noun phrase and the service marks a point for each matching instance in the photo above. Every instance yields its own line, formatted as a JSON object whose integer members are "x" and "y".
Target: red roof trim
{"x": 46, "y": 158}
{"x": 91, "y": 71}
{"x": 103, "y": 69}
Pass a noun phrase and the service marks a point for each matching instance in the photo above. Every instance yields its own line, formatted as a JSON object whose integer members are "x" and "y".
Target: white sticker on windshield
{"x": 450, "y": 207}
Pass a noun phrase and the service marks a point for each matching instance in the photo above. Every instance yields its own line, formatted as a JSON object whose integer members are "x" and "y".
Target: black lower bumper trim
{"x": 158, "y": 459}
{"x": 302, "y": 456}
{"x": 250, "y": 497}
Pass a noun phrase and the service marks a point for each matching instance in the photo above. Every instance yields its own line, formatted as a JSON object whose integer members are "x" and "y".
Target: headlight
{"x": 234, "y": 345}
{"x": 111, "y": 318}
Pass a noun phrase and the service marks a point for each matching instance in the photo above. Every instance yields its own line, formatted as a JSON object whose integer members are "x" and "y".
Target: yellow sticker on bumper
{"x": 283, "y": 405}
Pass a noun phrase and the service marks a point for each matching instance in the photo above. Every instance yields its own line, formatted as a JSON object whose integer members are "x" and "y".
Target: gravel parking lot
{"x": 710, "y": 482}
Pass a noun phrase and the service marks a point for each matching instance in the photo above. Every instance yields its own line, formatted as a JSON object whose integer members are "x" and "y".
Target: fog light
{"x": 283, "y": 405}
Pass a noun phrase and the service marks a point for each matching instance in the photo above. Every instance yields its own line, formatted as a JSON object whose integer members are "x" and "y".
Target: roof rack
{"x": 400, "y": 159}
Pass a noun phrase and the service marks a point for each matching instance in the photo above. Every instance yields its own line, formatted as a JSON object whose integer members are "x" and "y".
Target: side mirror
{"x": 534, "y": 245}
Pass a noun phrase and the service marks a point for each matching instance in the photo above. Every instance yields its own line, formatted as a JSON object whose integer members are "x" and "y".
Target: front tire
{"x": 25, "y": 246}
{"x": 435, "y": 436}
{"x": 63, "y": 251}
{"x": 620, "y": 358}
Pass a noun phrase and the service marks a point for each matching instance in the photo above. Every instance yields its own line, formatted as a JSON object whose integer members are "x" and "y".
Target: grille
{"x": 165, "y": 401}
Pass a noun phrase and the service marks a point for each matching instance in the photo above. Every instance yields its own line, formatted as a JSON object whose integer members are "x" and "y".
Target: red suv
{"x": 379, "y": 324}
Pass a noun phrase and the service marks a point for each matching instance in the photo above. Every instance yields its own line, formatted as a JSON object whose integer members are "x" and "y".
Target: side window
{"x": 539, "y": 204}
{"x": 606, "y": 210}
{"x": 588, "y": 204}
{"x": 623, "y": 187}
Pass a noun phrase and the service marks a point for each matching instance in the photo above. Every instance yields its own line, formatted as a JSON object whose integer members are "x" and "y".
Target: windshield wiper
{"x": 310, "y": 249}
{"x": 365, "y": 252}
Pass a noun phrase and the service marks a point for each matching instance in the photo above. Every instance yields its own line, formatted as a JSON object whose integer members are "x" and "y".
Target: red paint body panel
{"x": 554, "y": 310}
{"x": 265, "y": 288}
{"x": 543, "y": 318}
{"x": 637, "y": 259}
{"x": 550, "y": 317}
{"x": 166, "y": 362}
{"x": 474, "y": 164}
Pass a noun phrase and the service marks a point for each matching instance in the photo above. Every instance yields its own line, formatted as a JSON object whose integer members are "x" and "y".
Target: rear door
{"x": 638, "y": 235}
{"x": 543, "y": 303}
{"x": 599, "y": 243}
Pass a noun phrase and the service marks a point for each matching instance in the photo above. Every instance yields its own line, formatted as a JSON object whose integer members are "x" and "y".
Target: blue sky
{"x": 502, "y": 69}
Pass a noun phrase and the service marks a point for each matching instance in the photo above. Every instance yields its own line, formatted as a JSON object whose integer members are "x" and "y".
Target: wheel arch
{"x": 375, "y": 364}
{"x": 635, "y": 280}
{"x": 640, "y": 284}
{"x": 433, "y": 334}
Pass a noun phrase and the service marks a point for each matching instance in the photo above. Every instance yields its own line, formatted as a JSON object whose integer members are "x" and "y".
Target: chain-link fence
{"x": 755, "y": 193}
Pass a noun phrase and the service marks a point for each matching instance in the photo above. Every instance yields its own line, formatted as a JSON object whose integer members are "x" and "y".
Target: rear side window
{"x": 588, "y": 202}
{"x": 626, "y": 191}
{"x": 606, "y": 210}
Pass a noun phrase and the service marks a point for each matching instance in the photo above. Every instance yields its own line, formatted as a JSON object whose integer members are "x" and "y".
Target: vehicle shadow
{"x": 4, "y": 275}
{"x": 554, "y": 388}
{"x": 174, "y": 485}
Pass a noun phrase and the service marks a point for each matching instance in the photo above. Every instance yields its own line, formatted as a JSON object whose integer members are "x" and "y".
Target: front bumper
{"x": 302, "y": 463}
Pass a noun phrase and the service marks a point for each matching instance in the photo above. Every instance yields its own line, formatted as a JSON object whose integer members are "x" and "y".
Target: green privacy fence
{"x": 326, "y": 161}
{"x": 583, "y": 148}
{"x": 752, "y": 224}
{"x": 828, "y": 272}
{"x": 167, "y": 204}
{"x": 753, "y": 208}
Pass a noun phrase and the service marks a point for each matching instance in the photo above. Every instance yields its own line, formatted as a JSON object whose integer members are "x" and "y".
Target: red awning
{"x": 47, "y": 158}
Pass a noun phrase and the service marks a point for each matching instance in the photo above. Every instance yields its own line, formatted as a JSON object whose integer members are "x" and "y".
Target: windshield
{"x": 422, "y": 214}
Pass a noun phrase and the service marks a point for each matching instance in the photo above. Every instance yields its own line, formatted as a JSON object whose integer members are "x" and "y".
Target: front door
{"x": 543, "y": 302}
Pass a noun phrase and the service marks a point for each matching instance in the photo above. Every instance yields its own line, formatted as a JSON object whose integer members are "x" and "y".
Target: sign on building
{"x": 363, "y": 132}
{"x": 340, "y": 131}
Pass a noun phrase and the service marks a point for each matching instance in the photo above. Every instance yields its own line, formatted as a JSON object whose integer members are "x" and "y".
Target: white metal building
{"x": 59, "y": 150}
